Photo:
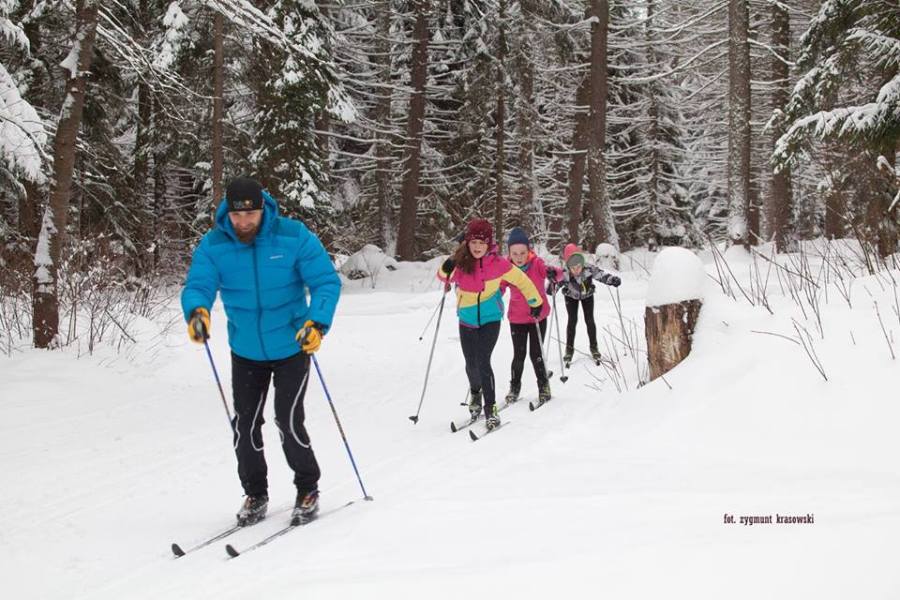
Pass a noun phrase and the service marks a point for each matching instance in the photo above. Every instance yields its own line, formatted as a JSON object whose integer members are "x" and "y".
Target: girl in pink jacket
{"x": 522, "y": 325}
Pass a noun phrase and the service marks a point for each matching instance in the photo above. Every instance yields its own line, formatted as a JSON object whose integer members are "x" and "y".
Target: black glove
{"x": 610, "y": 279}
{"x": 536, "y": 311}
{"x": 551, "y": 273}
{"x": 447, "y": 266}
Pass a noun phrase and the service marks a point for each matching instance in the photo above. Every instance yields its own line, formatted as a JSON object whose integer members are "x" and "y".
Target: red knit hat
{"x": 480, "y": 229}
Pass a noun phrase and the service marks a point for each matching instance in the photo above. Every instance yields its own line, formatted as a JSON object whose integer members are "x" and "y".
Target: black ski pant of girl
{"x": 587, "y": 306}
{"x": 477, "y": 345}
{"x": 522, "y": 336}
{"x": 250, "y": 384}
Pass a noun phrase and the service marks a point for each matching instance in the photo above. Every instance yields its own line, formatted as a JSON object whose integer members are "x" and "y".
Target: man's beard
{"x": 247, "y": 237}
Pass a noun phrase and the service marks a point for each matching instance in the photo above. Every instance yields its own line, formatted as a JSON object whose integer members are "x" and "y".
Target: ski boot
{"x": 514, "y": 388}
{"x": 493, "y": 421}
{"x": 475, "y": 404}
{"x": 305, "y": 508}
{"x": 543, "y": 392}
{"x": 595, "y": 354}
{"x": 253, "y": 511}
{"x": 567, "y": 357}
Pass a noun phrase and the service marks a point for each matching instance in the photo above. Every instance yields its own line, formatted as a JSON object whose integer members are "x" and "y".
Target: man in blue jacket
{"x": 262, "y": 265}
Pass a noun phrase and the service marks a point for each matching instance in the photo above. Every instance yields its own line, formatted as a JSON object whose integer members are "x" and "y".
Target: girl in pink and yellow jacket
{"x": 477, "y": 270}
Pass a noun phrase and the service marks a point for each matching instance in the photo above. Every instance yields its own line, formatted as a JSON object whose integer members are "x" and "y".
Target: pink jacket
{"x": 519, "y": 310}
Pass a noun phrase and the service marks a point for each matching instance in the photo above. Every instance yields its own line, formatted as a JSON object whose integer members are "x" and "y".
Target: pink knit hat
{"x": 569, "y": 250}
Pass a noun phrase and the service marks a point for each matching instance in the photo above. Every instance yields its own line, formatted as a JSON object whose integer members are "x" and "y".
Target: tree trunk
{"x": 525, "y": 126}
{"x": 780, "y": 193}
{"x": 323, "y": 117}
{"x": 738, "y": 121}
{"x": 52, "y": 237}
{"x": 834, "y": 211}
{"x": 669, "y": 330}
{"x": 383, "y": 121}
{"x": 653, "y": 140}
{"x": 218, "y": 148}
{"x": 500, "y": 131}
{"x": 601, "y": 212}
{"x": 580, "y": 144}
{"x": 406, "y": 237}
{"x": 142, "y": 152}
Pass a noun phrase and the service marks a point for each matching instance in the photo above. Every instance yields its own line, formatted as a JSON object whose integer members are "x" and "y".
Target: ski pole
{"x": 218, "y": 383}
{"x": 428, "y": 324}
{"x": 540, "y": 338}
{"x": 437, "y": 326}
{"x": 340, "y": 428}
{"x": 562, "y": 365}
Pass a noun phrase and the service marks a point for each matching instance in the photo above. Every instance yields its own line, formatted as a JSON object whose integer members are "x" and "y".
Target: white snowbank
{"x": 369, "y": 261}
{"x": 607, "y": 257}
{"x": 677, "y": 275}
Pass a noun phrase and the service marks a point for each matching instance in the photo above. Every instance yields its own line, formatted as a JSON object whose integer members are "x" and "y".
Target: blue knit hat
{"x": 518, "y": 236}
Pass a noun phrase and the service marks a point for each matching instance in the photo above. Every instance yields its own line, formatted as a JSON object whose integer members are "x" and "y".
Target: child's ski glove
{"x": 610, "y": 279}
{"x": 447, "y": 266}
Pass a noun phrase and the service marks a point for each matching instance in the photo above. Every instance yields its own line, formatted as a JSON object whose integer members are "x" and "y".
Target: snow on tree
{"x": 829, "y": 109}
{"x": 22, "y": 135}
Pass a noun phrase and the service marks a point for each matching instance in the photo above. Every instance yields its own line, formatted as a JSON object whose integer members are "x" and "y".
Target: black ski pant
{"x": 587, "y": 307}
{"x": 477, "y": 345}
{"x": 522, "y": 335}
{"x": 250, "y": 385}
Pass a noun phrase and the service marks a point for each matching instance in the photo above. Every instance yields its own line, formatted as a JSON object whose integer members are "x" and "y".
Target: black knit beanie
{"x": 244, "y": 193}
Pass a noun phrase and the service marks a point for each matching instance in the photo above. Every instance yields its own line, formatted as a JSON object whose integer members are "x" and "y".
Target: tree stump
{"x": 669, "y": 330}
{"x": 673, "y": 307}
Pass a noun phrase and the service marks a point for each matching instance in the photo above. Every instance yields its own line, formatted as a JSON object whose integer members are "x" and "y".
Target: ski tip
{"x": 177, "y": 551}
{"x": 473, "y": 436}
{"x": 531, "y": 406}
{"x": 452, "y": 427}
{"x": 414, "y": 419}
{"x": 231, "y": 551}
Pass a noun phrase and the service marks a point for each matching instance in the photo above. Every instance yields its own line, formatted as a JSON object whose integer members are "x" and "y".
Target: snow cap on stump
{"x": 678, "y": 275}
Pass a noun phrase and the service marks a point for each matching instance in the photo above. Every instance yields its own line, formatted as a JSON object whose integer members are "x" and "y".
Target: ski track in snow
{"x": 597, "y": 494}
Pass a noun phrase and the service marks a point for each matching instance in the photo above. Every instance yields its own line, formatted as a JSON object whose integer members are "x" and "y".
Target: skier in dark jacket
{"x": 262, "y": 266}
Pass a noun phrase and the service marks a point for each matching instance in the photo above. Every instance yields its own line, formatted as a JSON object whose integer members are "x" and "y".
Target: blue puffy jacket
{"x": 263, "y": 284}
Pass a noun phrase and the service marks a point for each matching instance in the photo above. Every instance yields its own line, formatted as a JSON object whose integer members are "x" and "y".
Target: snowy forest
{"x": 645, "y": 123}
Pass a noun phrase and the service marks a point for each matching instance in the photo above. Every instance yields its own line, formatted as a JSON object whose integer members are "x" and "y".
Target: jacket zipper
{"x": 478, "y": 304}
{"x": 258, "y": 304}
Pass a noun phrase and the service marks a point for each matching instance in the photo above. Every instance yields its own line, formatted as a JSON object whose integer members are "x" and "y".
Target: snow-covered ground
{"x": 600, "y": 493}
